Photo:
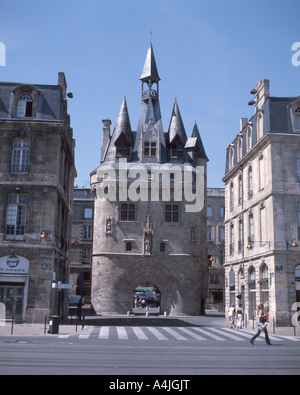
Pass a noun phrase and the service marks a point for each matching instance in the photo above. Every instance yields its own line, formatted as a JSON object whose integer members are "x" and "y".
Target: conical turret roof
{"x": 150, "y": 69}
{"x": 122, "y": 127}
{"x": 201, "y": 151}
{"x": 176, "y": 127}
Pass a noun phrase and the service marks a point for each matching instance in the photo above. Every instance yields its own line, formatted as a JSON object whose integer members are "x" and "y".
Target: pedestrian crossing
{"x": 163, "y": 334}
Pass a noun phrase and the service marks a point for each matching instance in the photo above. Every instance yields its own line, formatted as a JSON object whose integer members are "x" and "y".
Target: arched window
{"x": 252, "y": 292}
{"x": 25, "y": 105}
{"x": 264, "y": 285}
{"x": 231, "y": 157}
{"x": 250, "y": 182}
{"x": 240, "y": 149}
{"x": 252, "y": 275}
{"x": 259, "y": 125}
{"x": 264, "y": 272}
{"x": 25, "y": 102}
{"x": 249, "y": 138}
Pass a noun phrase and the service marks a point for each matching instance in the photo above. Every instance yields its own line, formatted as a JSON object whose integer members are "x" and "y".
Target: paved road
{"x": 178, "y": 349}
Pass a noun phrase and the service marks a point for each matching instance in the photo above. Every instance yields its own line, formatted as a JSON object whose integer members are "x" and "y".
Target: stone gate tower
{"x": 150, "y": 209}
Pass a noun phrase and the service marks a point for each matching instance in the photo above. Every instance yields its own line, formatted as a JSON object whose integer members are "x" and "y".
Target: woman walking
{"x": 239, "y": 315}
{"x": 262, "y": 322}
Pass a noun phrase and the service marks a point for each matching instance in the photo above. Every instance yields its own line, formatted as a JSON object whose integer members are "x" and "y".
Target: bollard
{"x": 147, "y": 313}
{"x": 165, "y": 314}
{"x": 12, "y": 325}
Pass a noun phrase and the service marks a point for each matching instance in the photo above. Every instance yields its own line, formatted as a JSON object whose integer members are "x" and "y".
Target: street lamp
{"x": 292, "y": 244}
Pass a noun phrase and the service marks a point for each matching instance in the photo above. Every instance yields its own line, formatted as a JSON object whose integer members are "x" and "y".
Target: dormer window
{"x": 122, "y": 147}
{"x": 295, "y": 116}
{"x": 25, "y": 101}
{"x": 25, "y": 105}
{"x": 150, "y": 149}
{"x": 177, "y": 149}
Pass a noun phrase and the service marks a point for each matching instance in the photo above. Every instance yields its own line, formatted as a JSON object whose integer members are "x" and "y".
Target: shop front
{"x": 14, "y": 277}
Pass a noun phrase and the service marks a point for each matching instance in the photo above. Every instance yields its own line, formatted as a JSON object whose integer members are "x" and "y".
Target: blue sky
{"x": 209, "y": 54}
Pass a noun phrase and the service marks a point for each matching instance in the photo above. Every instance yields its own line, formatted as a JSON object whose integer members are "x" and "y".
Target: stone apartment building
{"x": 82, "y": 244}
{"x": 36, "y": 192}
{"x": 262, "y": 208}
{"x": 216, "y": 248}
{"x": 145, "y": 228}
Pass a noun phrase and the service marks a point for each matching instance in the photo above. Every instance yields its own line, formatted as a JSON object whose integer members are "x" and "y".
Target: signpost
{"x": 62, "y": 286}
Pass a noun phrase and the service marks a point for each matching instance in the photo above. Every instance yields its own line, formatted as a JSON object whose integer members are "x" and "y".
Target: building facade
{"x": 262, "y": 207}
{"x": 36, "y": 181}
{"x": 146, "y": 230}
{"x": 82, "y": 243}
{"x": 216, "y": 248}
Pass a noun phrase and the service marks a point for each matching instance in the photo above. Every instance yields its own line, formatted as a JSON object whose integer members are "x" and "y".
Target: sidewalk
{"x": 277, "y": 331}
{"x": 39, "y": 329}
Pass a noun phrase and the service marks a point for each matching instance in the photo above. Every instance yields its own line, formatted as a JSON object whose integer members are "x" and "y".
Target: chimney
{"x": 105, "y": 137}
{"x": 62, "y": 83}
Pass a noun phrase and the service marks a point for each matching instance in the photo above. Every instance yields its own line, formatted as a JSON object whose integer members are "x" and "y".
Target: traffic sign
{"x": 62, "y": 286}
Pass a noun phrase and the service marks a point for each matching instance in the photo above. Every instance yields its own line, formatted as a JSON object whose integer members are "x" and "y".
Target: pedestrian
{"x": 239, "y": 315}
{"x": 231, "y": 314}
{"x": 262, "y": 322}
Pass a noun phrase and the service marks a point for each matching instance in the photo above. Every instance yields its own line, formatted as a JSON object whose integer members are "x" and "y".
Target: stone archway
{"x": 152, "y": 272}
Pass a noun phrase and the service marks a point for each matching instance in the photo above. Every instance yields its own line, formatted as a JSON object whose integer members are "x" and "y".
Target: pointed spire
{"x": 122, "y": 127}
{"x": 150, "y": 70}
{"x": 123, "y": 124}
{"x": 201, "y": 151}
{"x": 176, "y": 127}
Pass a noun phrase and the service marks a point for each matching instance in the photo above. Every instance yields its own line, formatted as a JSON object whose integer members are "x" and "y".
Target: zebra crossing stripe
{"x": 104, "y": 333}
{"x": 84, "y": 336}
{"x": 156, "y": 333}
{"x": 208, "y": 334}
{"x": 139, "y": 333}
{"x": 238, "y": 339}
{"x": 122, "y": 334}
{"x": 177, "y": 336}
{"x": 190, "y": 333}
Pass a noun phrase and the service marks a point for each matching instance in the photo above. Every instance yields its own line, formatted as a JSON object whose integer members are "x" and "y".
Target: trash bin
{"x": 53, "y": 324}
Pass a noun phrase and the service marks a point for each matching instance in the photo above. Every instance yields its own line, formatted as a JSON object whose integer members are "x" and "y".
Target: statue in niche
{"x": 193, "y": 233}
{"x": 108, "y": 226}
{"x": 148, "y": 233}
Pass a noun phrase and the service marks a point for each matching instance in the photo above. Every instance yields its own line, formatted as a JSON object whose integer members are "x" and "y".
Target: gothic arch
{"x": 150, "y": 271}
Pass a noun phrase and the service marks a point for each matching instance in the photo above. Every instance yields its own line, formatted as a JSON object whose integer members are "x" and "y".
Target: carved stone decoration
{"x": 94, "y": 192}
{"x": 148, "y": 234}
{"x": 193, "y": 234}
{"x": 108, "y": 226}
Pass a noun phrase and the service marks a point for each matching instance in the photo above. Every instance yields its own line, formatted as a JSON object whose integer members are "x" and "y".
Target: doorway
{"x": 12, "y": 297}
{"x": 146, "y": 297}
